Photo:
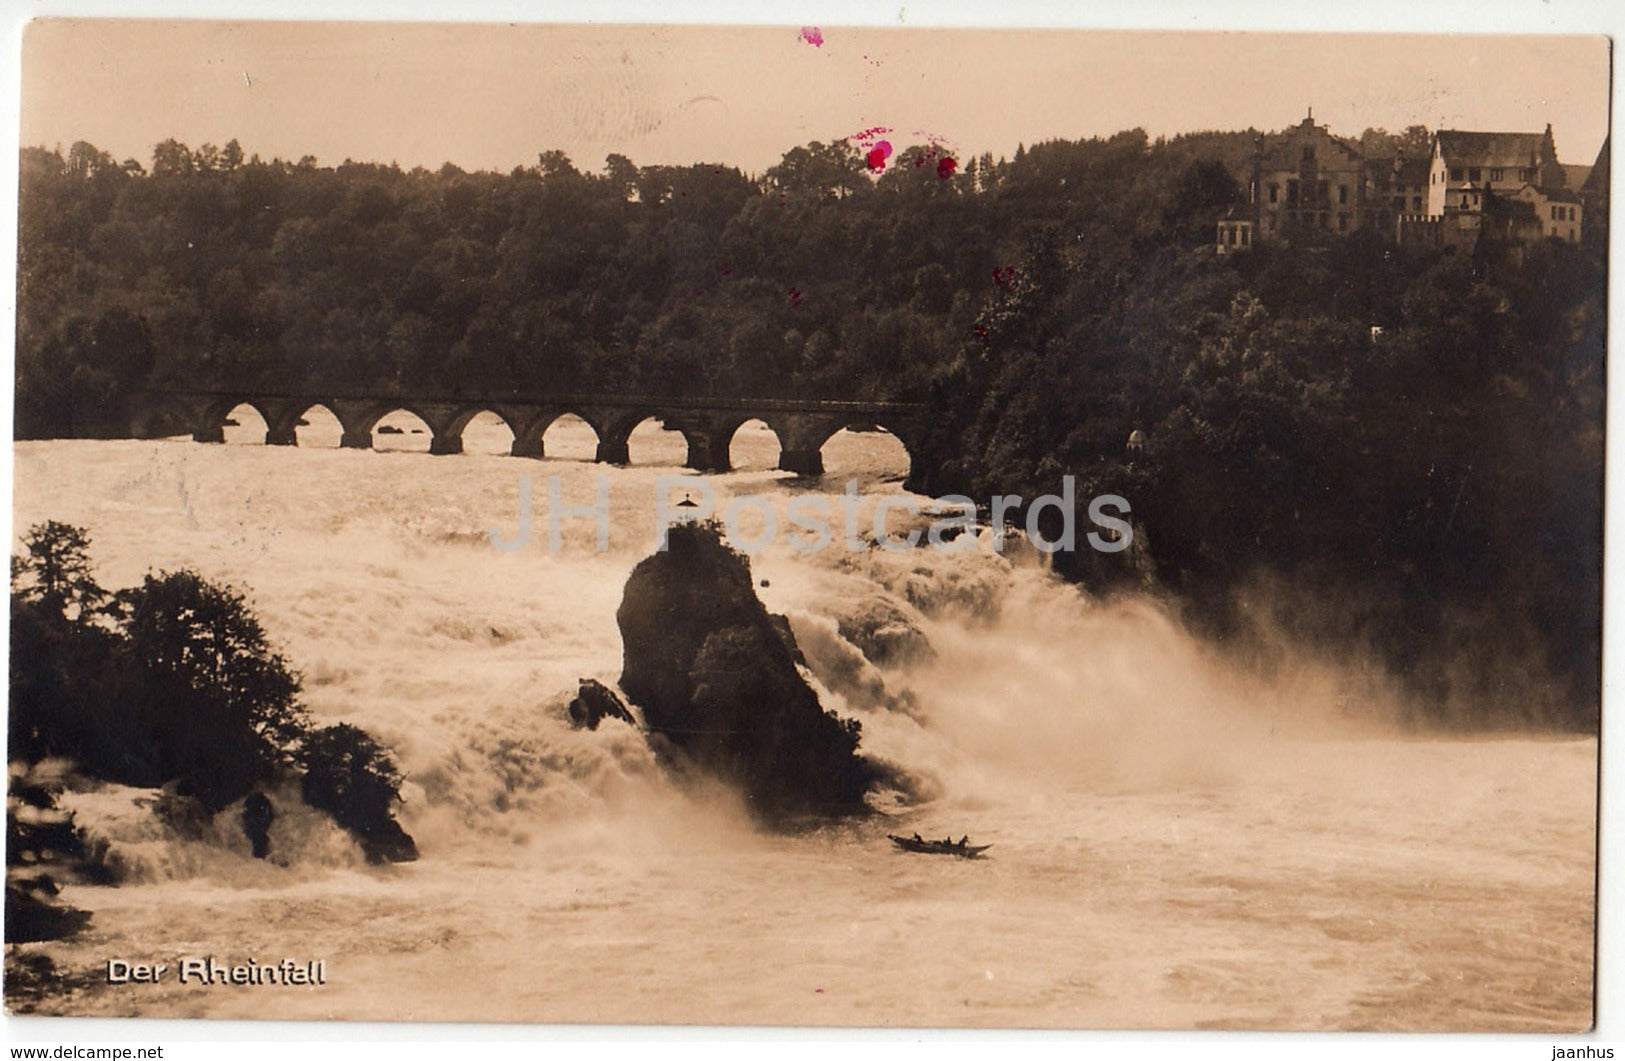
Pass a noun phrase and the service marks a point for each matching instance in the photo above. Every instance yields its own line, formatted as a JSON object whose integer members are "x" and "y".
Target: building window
{"x": 1495, "y": 174}
{"x": 1323, "y": 192}
{"x": 1342, "y": 222}
{"x": 1416, "y": 204}
{"x": 1527, "y": 175}
{"x": 1292, "y": 193}
{"x": 1455, "y": 174}
{"x": 1342, "y": 194}
{"x": 1475, "y": 175}
{"x": 1275, "y": 193}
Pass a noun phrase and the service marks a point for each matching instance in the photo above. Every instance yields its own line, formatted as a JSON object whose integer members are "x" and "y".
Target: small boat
{"x": 938, "y": 847}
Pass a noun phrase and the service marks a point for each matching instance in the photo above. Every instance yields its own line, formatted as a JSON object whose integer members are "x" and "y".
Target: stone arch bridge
{"x": 706, "y": 424}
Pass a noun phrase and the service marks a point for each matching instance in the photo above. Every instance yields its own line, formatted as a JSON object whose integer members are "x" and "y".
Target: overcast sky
{"x": 492, "y": 96}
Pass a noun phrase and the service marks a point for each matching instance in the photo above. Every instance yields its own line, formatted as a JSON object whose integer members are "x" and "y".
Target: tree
{"x": 65, "y": 666}
{"x": 355, "y": 779}
{"x": 1205, "y": 189}
{"x": 555, "y": 164}
{"x": 55, "y": 572}
{"x": 85, "y": 160}
{"x": 821, "y": 170}
{"x": 621, "y": 173}
{"x": 172, "y": 159}
{"x": 220, "y": 702}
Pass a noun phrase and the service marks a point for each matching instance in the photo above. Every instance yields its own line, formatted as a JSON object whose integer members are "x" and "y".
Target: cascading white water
{"x": 1177, "y": 843}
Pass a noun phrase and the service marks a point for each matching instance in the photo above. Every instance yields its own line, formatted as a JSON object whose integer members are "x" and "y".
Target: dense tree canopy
{"x": 1415, "y": 430}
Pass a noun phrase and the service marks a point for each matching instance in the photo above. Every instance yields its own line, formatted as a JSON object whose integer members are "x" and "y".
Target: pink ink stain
{"x": 795, "y": 297}
{"x": 878, "y": 155}
{"x": 946, "y": 167}
{"x": 1004, "y": 274}
{"x": 813, "y": 36}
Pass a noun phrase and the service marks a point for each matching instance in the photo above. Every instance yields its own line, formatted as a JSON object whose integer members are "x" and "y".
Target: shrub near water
{"x": 353, "y": 778}
{"x": 173, "y": 683}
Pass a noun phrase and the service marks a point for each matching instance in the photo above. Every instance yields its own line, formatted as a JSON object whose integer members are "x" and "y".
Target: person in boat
{"x": 917, "y": 839}
{"x": 963, "y": 840}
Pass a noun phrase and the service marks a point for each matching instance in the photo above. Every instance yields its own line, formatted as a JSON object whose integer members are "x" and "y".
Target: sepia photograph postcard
{"x": 807, "y": 526}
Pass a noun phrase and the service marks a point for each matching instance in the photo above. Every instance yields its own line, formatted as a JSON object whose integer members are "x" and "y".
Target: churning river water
{"x": 1176, "y": 844}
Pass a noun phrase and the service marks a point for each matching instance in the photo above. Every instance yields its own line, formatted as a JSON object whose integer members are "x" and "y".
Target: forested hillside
{"x": 1404, "y": 446}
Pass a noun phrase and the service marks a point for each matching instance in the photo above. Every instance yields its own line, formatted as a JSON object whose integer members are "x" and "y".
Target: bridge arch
{"x": 530, "y": 435}
{"x": 246, "y": 423}
{"x": 317, "y": 426}
{"x": 806, "y": 435}
{"x": 392, "y": 423}
{"x": 208, "y": 418}
{"x": 616, "y": 439}
{"x": 286, "y": 417}
{"x": 749, "y": 448}
{"x": 484, "y": 431}
{"x": 866, "y": 451}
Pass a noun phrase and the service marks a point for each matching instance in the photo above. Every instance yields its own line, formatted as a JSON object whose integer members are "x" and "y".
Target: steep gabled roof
{"x": 1414, "y": 170}
{"x": 1506, "y": 150}
{"x": 1281, "y": 151}
{"x": 1411, "y": 171}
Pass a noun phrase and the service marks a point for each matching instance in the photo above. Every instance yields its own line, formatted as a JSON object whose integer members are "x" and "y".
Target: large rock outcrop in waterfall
{"x": 715, "y": 674}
